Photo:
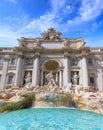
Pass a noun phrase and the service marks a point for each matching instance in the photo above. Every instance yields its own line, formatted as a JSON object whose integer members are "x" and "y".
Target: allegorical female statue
{"x": 75, "y": 78}
{"x": 28, "y": 78}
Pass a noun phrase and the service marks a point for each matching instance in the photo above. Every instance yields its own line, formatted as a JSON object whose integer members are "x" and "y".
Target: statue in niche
{"x": 75, "y": 78}
{"x": 50, "y": 80}
{"x": 28, "y": 78}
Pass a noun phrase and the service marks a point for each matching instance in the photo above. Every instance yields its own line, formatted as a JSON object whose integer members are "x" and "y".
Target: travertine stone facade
{"x": 68, "y": 59}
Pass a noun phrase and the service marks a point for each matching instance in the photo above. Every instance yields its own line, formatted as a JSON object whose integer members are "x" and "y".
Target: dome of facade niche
{"x": 51, "y": 65}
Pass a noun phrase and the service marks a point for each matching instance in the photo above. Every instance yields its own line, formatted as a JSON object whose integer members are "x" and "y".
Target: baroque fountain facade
{"x": 60, "y": 71}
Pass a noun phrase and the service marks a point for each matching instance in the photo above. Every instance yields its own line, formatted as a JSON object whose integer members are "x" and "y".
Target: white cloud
{"x": 36, "y": 26}
{"x": 61, "y": 7}
{"x": 89, "y": 10}
{"x": 8, "y": 36}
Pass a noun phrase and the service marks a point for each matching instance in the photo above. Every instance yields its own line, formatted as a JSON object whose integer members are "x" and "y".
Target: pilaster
{"x": 6, "y": 59}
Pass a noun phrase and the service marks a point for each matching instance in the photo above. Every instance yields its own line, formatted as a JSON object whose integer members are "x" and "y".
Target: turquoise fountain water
{"x": 51, "y": 119}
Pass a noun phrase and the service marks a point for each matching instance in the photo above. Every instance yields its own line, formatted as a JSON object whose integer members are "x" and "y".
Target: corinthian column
{"x": 36, "y": 71}
{"x": 19, "y": 71}
{"x": 84, "y": 70}
{"x": 4, "y": 71}
{"x": 66, "y": 75}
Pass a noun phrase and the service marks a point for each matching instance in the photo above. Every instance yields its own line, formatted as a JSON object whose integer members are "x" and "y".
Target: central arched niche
{"x": 51, "y": 65}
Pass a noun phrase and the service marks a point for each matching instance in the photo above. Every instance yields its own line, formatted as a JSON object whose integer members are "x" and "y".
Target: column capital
{"x": 37, "y": 55}
{"x": 61, "y": 68}
{"x": 20, "y": 55}
{"x": 84, "y": 54}
{"x": 66, "y": 54}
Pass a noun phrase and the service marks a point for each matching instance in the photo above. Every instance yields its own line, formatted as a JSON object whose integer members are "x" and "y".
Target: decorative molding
{"x": 66, "y": 54}
{"x": 73, "y": 43}
{"x": 36, "y": 55}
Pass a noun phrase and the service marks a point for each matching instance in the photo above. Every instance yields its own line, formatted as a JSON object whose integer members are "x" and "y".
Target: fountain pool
{"x": 51, "y": 119}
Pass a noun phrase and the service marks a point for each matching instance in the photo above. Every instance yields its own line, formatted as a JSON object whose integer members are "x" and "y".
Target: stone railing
{"x": 6, "y": 49}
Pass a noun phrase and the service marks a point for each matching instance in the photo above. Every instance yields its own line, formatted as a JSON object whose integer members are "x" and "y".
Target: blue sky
{"x": 28, "y": 18}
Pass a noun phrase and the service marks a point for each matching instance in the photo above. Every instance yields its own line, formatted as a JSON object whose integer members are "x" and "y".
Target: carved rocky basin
{"x": 53, "y": 99}
{"x": 21, "y": 98}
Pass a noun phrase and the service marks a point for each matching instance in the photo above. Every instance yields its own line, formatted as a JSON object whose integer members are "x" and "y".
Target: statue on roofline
{"x": 51, "y": 34}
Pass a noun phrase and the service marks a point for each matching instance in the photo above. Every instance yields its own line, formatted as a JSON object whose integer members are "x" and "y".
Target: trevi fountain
{"x": 51, "y": 88}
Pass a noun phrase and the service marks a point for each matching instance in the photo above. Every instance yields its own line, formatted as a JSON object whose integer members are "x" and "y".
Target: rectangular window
{"x": 92, "y": 80}
{"x": 75, "y": 62}
{"x": 10, "y": 79}
{"x": 90, "y": 61}
{"x": 13, "y": 61}
{"x": 0, "y": 77}
{"x": 0, "y": 60}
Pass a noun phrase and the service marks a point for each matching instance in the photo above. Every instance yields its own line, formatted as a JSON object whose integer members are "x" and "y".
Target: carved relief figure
{"x": 65, "y": 43}
{"x": 36, "y": 44}
{"x": 29, "y": 61}
{"x": 73, "y": 44}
